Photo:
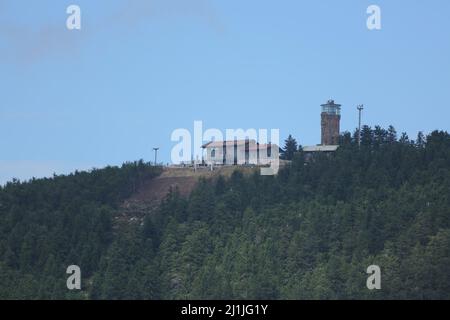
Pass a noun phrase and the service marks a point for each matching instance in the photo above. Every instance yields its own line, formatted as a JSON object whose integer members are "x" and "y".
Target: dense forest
{"x": 308, "y": 233}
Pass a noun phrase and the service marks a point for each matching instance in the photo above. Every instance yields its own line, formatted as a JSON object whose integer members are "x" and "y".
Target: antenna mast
{"x": 156, "y": 154}
{"x": 360, "y": 109}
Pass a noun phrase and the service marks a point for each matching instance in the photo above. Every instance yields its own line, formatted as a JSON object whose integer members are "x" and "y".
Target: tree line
{"x": 308, "y": 233}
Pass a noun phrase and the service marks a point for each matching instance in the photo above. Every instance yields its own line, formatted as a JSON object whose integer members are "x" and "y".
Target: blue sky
{"x": 137, "y": 70}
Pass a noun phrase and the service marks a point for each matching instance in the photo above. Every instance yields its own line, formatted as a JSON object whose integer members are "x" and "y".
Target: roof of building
{"x": 330, "y": 103}
{"x": 253, "y": 145}
{"x": 320, "y": 148}
{"x": 219, "y": 144}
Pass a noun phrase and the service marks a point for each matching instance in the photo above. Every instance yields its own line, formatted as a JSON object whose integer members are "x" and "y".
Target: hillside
{"x": 308, "y": 233}
{"x": 151, "y": 193}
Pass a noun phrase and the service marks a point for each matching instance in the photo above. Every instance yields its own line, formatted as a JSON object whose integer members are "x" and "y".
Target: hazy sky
{"x": 137, "y": 70}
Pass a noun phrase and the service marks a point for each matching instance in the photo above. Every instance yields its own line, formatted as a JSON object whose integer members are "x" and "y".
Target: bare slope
{"x": 150, "y": 195}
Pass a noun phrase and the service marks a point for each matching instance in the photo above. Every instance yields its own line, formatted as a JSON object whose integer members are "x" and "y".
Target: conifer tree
{"x": 290, "y": 147}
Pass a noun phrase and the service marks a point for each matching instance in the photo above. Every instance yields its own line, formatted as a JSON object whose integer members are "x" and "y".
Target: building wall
{"x": 264, "y": 158}
{"x": 330, "y": 129}
{"x": 216, "y": 157}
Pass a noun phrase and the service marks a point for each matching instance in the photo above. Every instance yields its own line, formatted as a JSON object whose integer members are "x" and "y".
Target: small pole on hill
{"x": 156, "y": 154}
{"x": 360, "y": 109}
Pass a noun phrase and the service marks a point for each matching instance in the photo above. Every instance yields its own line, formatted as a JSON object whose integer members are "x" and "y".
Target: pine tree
{"x": 366, "y": 135}
{"x": 420, "y": 142}
{"x": 290, "y": 147}
{"x": 391, "y": 135}
{"x": 404, "y": 139}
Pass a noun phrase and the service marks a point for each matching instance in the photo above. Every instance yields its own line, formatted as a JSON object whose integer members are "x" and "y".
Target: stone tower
{"x": 330, "y": 120}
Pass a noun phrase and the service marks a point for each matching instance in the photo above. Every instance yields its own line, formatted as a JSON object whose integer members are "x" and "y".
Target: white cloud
{"x": 28, "y": 44}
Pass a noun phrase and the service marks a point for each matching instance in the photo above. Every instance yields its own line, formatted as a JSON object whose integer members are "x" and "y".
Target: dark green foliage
{"x": 290, "y": 147}
{"x": 48, "y": 224}
{"x": 308, "y": 233}
{"x": 312, "y": 231}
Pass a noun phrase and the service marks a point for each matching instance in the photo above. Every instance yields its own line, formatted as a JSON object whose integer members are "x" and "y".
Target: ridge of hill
{"x": 309, "y": 232}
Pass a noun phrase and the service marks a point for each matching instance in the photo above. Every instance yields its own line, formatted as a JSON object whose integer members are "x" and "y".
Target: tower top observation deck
{"x": 331, "y": 108}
